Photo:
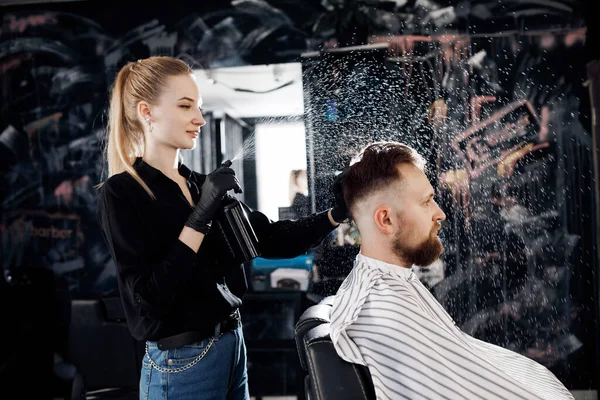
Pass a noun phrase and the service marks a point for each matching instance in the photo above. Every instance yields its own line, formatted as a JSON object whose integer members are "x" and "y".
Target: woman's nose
{"x": 200, "y": 121}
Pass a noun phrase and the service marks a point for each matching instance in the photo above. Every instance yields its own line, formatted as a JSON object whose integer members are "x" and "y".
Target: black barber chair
{"x": 108, "y": 360}
{"x": 328, "y": 376}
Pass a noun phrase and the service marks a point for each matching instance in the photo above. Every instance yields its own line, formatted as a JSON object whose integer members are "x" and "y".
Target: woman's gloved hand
{"x": 216, "y": 185}
{"x": 340, "y": 212}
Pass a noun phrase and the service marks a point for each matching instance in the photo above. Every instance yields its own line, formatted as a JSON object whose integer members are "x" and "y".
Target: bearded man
{"x": 383, "y": 317}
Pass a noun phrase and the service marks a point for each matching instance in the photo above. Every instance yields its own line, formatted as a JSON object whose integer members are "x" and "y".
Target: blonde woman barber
{"x": 181, "y": 296}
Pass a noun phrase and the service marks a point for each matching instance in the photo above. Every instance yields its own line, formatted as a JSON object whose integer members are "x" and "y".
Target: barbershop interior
{"x": 500, "y": 98}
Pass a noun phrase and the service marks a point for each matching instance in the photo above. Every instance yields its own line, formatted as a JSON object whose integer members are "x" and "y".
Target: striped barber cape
{"x": 383, "y": 317}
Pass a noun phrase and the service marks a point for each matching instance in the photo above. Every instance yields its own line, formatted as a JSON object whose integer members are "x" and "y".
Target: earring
{"x": 150, "y": 126}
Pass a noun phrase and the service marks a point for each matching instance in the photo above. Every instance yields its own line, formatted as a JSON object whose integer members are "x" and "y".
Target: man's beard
{"x": 422, "y": 255}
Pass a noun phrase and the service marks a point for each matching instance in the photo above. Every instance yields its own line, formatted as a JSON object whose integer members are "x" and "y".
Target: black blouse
{"x": 167, "y": 288}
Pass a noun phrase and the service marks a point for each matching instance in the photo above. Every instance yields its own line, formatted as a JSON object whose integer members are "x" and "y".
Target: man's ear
{"x": 382, "y": 217}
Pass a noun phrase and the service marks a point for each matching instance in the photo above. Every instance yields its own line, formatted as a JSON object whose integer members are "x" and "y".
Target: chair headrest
{"x": 312, "y": 317}
{"x": 331, "y": 376}
{"x": 328, "y": 300}
{"x": 317, "y": 335}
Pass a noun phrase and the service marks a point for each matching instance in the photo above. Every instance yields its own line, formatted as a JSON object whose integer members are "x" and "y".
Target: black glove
{"x": 216, "y": 185}
{"x": 340, "y": 212}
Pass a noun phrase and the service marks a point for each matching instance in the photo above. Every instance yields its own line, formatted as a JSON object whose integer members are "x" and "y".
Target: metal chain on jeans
{"x": 187, "y": 366}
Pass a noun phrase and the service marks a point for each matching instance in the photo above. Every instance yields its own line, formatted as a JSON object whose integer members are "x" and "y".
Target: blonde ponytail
{"x": 123, "y": 144}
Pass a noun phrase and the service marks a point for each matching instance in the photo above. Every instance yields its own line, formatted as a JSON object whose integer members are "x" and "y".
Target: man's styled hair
{"x": 374, "y": 168}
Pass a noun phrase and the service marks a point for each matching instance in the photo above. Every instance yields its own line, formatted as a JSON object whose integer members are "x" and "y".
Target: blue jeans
{"x": 212, "y": 369}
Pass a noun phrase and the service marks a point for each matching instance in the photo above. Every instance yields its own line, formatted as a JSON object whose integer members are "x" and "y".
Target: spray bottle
{"x": 234, "y": 228}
